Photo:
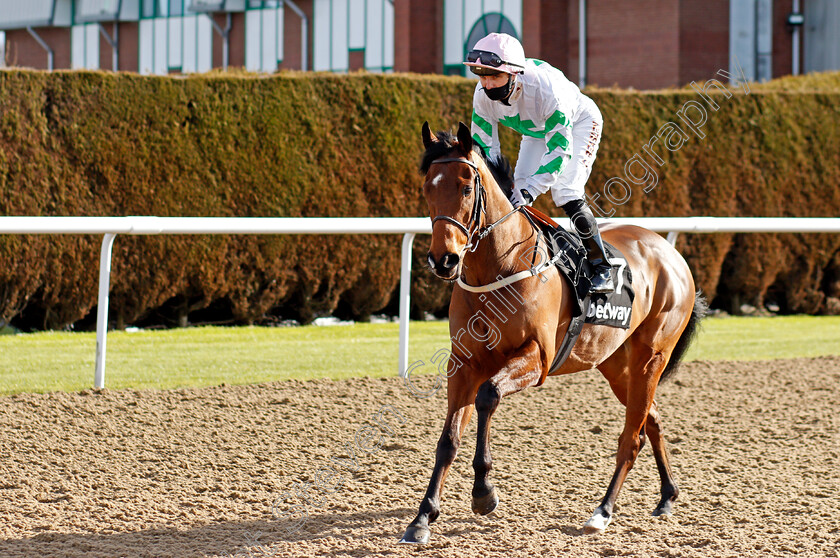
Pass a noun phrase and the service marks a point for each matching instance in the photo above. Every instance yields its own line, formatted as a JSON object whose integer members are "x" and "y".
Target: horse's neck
{"x": 506, "y": 250}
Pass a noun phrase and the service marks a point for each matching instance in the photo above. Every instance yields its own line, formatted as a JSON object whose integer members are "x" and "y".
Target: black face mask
{"x": 502, "y": 92}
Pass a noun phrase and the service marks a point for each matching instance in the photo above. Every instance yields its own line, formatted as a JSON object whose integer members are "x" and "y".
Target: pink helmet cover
{"x": 506, "y": 47}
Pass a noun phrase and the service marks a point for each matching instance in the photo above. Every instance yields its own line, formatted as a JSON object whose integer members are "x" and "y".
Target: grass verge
{"x": 196, "y": 357}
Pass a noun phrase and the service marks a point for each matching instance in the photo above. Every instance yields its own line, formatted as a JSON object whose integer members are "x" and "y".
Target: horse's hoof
{"x": 596, "y": 524}
{"x": 485, "y": 504}
{"x": 416, "y": 534}
{"x": 664, "y": 509}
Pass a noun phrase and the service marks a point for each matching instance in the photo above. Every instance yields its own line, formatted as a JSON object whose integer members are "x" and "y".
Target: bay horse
{"x": 479, "y": 239}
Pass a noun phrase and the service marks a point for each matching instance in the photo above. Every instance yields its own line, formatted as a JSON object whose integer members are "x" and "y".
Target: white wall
{"x": 751, "y": 38}
{"x": 379, "y": 36}
{"x": 341, "y": 26}
{"x": 182, "y": 44}
{"x": 764, "y": 40}
{"x": 742, "y": 37}
{"x": 821, "y": 47}
{"x": 264, "y": 39}
{"x": 84, "y": 46}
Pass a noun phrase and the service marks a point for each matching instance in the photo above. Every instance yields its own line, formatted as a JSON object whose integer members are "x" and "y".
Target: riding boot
{"x": 586, "y": 226}
{"x": 602, "y": 279}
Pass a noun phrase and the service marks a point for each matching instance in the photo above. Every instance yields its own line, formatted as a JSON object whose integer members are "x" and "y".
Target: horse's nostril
{"x": 449, "y": 261}
{"x": 431, "y": 260}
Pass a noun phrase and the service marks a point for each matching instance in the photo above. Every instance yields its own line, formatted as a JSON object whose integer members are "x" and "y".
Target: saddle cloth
{"x": 610, "y": 309}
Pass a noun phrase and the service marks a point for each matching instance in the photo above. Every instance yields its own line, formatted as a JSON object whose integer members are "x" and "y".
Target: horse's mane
{"x": 500, "y": 168}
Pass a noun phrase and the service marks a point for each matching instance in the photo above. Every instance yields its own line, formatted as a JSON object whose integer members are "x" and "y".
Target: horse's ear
{"x": 428, "y": 138}
{"x": 464, "y": 138}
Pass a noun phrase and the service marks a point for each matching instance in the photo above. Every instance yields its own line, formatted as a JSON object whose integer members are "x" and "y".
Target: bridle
{"x": 478, "y": 232}
{"x": 473, "y": 228}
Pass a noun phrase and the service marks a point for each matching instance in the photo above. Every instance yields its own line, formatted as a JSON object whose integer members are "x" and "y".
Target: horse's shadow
{"x": 568, "y": 530}
{"x": 225, "y": 538}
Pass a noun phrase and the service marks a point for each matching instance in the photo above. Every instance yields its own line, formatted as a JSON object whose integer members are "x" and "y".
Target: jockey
{"x": 560, "y": 127}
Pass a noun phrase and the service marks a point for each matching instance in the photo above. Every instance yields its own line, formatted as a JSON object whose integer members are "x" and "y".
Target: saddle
{"x": 569, "y": 254}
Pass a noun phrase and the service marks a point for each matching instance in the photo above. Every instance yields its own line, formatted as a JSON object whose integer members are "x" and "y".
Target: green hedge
{"x": 94, "y": 143}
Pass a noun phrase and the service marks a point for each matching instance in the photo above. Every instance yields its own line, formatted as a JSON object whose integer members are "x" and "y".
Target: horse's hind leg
{"x": 653, "y": 431}
{"x": 638, "y": 381}
{"x": 521, "y": 371}
{"x": 669, "y": 490}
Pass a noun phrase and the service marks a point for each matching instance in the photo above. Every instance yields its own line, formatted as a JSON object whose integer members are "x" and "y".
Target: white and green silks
{"x": 560, "y": 127}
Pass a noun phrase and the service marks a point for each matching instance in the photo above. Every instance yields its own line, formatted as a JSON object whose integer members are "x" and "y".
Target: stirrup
{"x": 602, "y": 281}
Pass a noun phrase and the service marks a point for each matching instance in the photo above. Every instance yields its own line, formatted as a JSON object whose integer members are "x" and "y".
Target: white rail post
{"x": 102, "y": 308}
{"x": 672, "y": 237}
{"x": 405, "y": 299}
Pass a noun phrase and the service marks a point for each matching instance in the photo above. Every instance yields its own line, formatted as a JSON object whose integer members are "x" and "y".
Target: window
{"x": 147, "y": 8}
{"x": 164, "y": 8}
{"x": 176, "y": 7}
{"x": 88, "y": 11}
{"x": 488, "y": 23}
{"x": 467, "y": 21}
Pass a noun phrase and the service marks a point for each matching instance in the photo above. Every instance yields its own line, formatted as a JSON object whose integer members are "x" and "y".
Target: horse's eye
{"x": 467, "y": 191}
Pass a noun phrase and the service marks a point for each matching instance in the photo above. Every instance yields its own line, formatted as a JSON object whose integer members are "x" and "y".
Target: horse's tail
{"x": 701, "y": 308}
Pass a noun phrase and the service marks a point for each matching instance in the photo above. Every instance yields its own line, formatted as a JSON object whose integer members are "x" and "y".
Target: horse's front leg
{"x": 521, "y": 371}
{"x": 461, "y": 392}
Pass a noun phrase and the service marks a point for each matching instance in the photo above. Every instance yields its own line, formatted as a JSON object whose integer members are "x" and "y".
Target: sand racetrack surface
{"x": 755, "y": 449}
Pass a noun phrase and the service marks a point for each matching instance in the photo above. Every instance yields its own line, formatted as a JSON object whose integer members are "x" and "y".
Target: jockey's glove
{"x": 521, "y": 197}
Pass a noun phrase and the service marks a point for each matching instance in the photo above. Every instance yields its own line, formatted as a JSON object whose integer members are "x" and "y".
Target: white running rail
{"x": 409, "y": 227}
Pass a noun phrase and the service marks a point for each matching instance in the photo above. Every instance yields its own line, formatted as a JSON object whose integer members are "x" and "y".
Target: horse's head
{"x": 455, "y": 193}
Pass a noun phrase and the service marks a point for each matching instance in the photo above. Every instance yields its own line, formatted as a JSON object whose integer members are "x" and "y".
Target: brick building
{"x": 630, "y": 43}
